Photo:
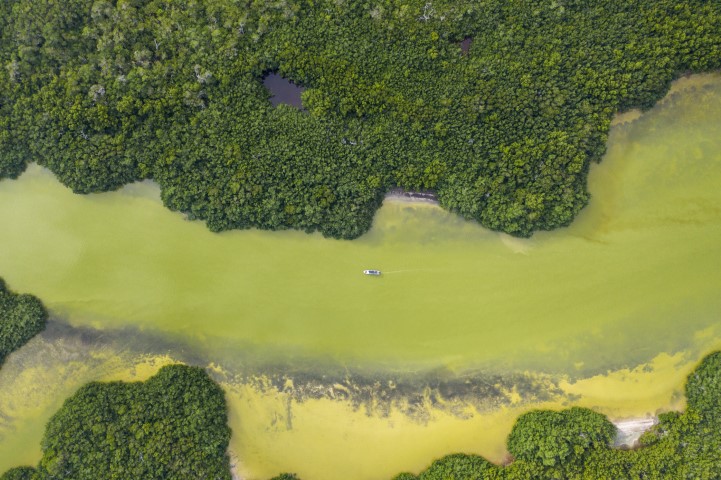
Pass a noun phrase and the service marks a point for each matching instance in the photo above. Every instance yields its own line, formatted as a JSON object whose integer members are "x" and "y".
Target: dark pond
{"x": 466, "y": 45}
{"x": 283, "y": 91}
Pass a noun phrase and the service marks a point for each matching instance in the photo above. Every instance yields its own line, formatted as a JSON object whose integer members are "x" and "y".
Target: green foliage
{"x": 19, "y": 473}
{"x": 554, "y": 438}
{"x": 459, "y": 467}
{"x": 105, "y": 93}
{"x": 574, "y": 444}
{"x": 703, "y": 389}
{"x": 405, "y": 476}
{"x": 173, "y": 426}
{"x": 21, "y": 318}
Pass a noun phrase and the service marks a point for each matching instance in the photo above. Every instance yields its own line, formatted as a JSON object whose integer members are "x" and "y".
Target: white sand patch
{"x": 631, "y": 429}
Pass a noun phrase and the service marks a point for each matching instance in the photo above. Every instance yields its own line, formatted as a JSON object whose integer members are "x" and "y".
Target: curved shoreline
{"x": 629, "y": 430}
{"x": 398, "y": 194}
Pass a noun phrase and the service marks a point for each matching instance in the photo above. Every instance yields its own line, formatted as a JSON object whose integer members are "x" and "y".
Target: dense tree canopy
{"x": 105, "y": 92}
{"x": 556, "y": 438}
{"x": 21, "y": 318}
{"x": 19, "y": 473}
{"x": 173, "y": 426}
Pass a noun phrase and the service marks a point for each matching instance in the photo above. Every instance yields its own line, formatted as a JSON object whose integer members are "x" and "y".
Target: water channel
{"x": 330, "y": 373}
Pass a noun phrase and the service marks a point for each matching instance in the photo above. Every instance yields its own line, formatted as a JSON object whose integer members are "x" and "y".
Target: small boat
{"x": 372, "y": 272}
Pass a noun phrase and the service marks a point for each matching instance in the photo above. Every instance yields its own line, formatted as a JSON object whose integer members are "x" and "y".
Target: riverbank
{"x": 631, "y": 429}
{"x": 690, "y": 81}
{"x": 398, "y": 194}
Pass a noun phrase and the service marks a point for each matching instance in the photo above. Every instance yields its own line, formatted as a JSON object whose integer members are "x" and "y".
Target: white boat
{"x": 372, "y": 272}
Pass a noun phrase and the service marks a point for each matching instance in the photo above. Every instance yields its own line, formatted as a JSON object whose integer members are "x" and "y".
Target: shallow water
{"x": 631, "y": 287}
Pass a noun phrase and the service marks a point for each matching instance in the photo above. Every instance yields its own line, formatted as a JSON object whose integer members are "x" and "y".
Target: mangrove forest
{"x": 163, "y": 349}
{"x": 503, "y": 130}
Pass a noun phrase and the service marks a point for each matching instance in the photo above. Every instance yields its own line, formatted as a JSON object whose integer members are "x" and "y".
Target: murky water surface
{"x": 611, "y": 312}
{"x": 283, "y": 91}
{"x": 466, "y": 45}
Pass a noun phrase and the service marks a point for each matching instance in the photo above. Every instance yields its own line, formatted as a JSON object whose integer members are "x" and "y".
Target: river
{"x": 331, "y": 373}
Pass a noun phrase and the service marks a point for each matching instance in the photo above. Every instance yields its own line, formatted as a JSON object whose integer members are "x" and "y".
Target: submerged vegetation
{"x": 174, "y": 425}
{"x": 108, "y": 92}
{"x": 575, "y": 443}
{"x": 21, "y": 318}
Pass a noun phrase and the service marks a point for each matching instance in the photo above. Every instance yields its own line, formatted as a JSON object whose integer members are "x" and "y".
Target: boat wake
{"x": 407, "y": 271}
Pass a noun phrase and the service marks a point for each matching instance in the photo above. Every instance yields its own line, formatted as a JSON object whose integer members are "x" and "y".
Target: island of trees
{"x": 108, "y": 92}
{"x": 21, "y": 318}
{"x": 173, "y": 426}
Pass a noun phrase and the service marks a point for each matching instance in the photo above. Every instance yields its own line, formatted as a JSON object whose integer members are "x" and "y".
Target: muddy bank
{"x": 409, "y": 196}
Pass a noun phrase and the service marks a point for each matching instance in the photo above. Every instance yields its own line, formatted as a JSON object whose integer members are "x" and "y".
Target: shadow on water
{"x": 283, "y": 91}
{"x": 413, "y": 392}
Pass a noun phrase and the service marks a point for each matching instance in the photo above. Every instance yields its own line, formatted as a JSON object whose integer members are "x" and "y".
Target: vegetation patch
{"x": 173, "y": 426}
{"x": 108, "y": 92}
{"x": 21, "y": 318}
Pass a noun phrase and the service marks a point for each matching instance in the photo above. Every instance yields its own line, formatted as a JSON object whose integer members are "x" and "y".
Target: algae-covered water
{"x": 609, "y": 313}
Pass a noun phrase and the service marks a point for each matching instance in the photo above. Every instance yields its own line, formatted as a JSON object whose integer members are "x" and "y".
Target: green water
{"x": 636, "y": 275}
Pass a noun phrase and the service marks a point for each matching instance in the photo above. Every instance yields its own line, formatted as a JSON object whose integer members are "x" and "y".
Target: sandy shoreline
{"x": 631, "y": 429}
